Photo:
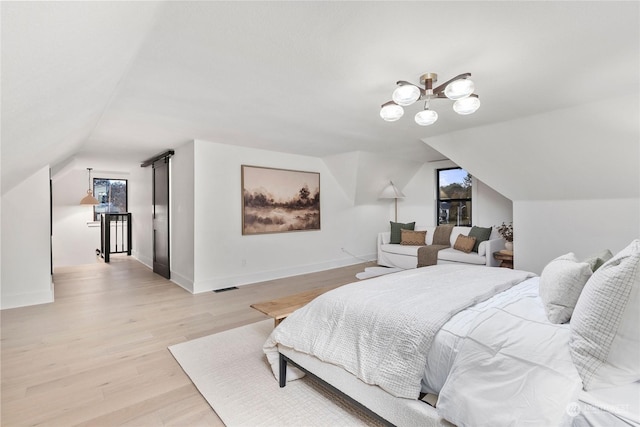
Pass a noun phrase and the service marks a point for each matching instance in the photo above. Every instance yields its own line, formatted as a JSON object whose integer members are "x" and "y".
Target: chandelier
{"x": 459, "y": 89}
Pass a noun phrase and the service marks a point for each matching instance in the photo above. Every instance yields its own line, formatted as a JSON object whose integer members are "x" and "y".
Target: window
{"x": 112, "y": 195}
{"x": 454, "y": 196}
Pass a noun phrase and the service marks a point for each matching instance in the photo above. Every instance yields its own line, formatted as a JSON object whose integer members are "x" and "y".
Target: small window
{"x": 111, "y": 194}
{"x": 454, "y": 197}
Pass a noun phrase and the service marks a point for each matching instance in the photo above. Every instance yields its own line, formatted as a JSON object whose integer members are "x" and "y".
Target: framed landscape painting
{"x": 279, "y": 200}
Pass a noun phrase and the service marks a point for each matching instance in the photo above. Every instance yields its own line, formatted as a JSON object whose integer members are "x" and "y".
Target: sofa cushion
{"x": 481, "y": 234}
{"x": 400, "y": 250}
{"x": 464, "y": 243}
{"x": 454, "y": 255}
{"x": 396, "y": 237}
{"x": 412, "y": 238}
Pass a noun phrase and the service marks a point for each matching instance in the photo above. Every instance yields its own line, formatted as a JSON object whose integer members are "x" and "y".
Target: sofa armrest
{"x": 494, "y": 245}
{"x": 384, "y": 238}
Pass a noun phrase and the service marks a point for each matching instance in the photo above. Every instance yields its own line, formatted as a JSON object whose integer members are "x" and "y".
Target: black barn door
{"x": 161, "y": 264}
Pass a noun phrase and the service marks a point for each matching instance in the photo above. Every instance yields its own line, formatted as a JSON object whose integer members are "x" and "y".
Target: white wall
{"x": 566, "y": 171}
{"x": 584, "y": 227}
{"x": 26, "y": 271}
{"x": 181, "y": 216}
{"x": 224, "y": 257}
{"x": 489, "y": 207}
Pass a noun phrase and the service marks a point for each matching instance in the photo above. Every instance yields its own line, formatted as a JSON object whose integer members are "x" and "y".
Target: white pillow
{"x": 561, "y": 282}
{"x": 605, "y": 335}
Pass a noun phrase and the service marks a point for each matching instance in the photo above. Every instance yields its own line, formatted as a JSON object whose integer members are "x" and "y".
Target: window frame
{"x": 459, "y": 200}
{"x": 96, "y": 215}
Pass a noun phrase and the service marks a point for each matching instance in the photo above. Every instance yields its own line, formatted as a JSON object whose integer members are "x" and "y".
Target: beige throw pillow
{"x": 413, "y": 238}
{"x": 464, "y": 243}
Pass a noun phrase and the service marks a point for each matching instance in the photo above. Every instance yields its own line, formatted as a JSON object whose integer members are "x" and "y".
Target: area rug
{"x": 231, "y": 372}
{"x": 370, "y": 272}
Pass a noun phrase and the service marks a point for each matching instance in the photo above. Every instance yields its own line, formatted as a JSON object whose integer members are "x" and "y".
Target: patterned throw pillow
{"x": 605, "y": 340}
{"x": 395, "y": 231}
{"x": 413, "y": 238}
{"x": 464, "y": 243}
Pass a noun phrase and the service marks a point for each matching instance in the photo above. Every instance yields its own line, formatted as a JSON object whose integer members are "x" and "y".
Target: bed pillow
{"x": 396, "y": 237}
{"x": 464, "y": 243}
{"x": 481, "y": 234}
{"x": 561, "y": 283}
{"x": 413, "y": 238}
{"x": 596, "y": 261}
{"x": 605, "y": 338}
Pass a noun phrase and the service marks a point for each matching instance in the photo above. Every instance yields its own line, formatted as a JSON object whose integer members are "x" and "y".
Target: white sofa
{"x": 406, "y": 257}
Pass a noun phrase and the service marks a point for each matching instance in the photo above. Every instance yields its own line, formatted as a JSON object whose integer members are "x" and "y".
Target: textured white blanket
{"x": 381, "y": 329}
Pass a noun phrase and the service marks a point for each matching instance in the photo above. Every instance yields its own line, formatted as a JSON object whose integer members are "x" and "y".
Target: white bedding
{"x": 447, "y": 341}
{"x": 511, "y": 371}
{"x": 387, "y": 323}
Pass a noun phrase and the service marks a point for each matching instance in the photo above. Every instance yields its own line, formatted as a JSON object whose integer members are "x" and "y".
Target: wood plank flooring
{"x": 98, "y": 355}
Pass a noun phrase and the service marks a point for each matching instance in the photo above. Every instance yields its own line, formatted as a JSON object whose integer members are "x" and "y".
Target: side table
{"x": 505, "y": 257}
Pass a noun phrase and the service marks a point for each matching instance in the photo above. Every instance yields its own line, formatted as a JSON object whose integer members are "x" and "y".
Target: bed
{"x": 490, "y": 355}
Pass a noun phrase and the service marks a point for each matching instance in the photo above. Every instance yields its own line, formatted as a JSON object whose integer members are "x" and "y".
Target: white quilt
{"x": 512, "y": 371}
{"x": 381, "y": 329}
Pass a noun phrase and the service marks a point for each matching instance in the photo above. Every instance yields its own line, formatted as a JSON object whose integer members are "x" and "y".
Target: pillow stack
{"x": 396, "y": 234}
{"x": 605, "y": 337}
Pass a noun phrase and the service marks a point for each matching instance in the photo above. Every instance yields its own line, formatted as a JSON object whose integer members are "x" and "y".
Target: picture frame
{"x": 279, "y": 200}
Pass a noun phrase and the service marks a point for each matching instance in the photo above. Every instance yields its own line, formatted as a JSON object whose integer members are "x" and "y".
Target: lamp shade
{"x": 89, "y": 199}
{"x": 406, "y": 94}
{"x": 466, "y": 105}
{"x": 391, "y": 192}
{"x": 426, "y": 117}
{"x": 391, "y": 112}
{"x": 459, "y": 89}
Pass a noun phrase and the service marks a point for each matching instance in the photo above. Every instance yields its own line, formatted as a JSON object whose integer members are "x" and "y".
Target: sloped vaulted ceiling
{"x": 302, "y": 77}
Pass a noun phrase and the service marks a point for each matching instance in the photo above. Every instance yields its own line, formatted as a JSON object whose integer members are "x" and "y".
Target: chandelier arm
{"x": 440, "y": 89}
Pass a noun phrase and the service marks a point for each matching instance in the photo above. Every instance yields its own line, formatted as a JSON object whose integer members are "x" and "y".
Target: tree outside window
{"x": 454, "y": 196}
{"x": 111, "y": 194}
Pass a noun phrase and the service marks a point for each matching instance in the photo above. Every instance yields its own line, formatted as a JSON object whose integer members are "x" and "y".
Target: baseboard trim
{"x": 24, "y": 300}
{"x": 247, "y": 279}
{"x": 183, "y": 282}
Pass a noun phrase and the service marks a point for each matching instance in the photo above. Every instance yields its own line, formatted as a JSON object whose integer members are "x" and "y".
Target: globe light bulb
{"x": 467, "y": 105}
{"x": 426, "y": 117}
{"x": 391, "y": 112}
{"x": 459, "y": 89}
{"x": 406, "y": 95}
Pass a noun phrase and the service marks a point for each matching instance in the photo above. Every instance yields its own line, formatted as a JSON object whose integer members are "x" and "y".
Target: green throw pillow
{"x": 396, "y": 233}
{"x": 596, "y": 261}
{"x": 481, "y": 234}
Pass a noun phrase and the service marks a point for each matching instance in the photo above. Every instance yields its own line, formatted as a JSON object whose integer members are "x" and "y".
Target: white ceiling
{"x": 91, "y": 78}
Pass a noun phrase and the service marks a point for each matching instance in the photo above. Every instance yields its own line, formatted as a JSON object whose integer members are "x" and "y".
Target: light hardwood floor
{"x": 98, "y": 355}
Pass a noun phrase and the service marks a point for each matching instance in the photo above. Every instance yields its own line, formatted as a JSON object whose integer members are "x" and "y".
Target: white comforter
{"x": 512, "y": 370}
{"x": 381, "y": 329}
